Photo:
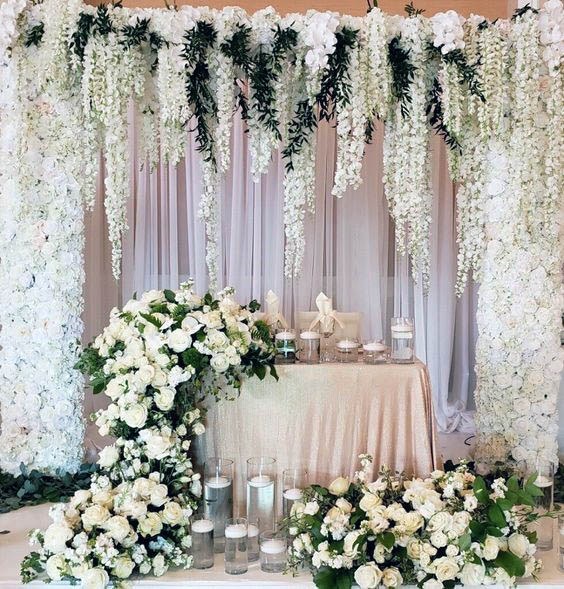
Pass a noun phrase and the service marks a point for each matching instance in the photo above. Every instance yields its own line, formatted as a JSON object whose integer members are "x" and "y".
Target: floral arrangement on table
{"x": 451, "y": 528}
{"x": 156, "y": 360}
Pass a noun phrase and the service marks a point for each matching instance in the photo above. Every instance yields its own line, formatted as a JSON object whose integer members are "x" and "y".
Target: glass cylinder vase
{"x": 218, "y": 496}
{"x": 261, "y": 494}
{"x": 402, "y": 340}
{"x": 309, "y": 347}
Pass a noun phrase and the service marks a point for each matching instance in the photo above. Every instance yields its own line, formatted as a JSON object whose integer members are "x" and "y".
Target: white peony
{"x": 368, "y": 576}
{"x": 94, "y": 579}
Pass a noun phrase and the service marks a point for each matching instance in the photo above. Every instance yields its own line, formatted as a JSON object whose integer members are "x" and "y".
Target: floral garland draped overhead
{"x": 488, "y": 88}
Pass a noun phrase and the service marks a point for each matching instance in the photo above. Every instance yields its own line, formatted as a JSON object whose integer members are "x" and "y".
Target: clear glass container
{"x": 273, "y": 551}
{"x": 253, "y": 534}
{"x": 309, "y": 347}
{"x": 402, "y": 340}
{"x": 375, "y": 352}
{"x": 261, "y": 491}
{"x": 202, "y": 542}
{"x": 327, "y": 329}
{"x": 285, "y": 341}
{"x": 561, "y": 542}
{"x": 294, "y": 481}
{"x": 346, "y": 350}
{"x": 236, "y": 562}
{"x": 544, "y": 504}
{"x": 218, "y": 496}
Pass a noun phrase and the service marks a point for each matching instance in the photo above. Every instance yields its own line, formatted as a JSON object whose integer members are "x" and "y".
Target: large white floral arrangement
{"x": 450, "y": 528}
{"x": 155, "y": 361}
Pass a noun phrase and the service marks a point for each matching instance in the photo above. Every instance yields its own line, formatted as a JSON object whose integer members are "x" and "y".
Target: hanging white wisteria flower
{"x": 377, "y": 71}
{"x": 551, "y": 27}
{"x": 406, "y": 171}
{"x": 10, "y": 11}
{"x": 448, "y": 31}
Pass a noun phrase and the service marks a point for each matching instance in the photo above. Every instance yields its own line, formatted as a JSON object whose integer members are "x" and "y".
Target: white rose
{"x": 103, "y": 498}
{"x": 190, "y": 324}
{"x": 172, "y": 513}
{"x": 123, "y": 567}
{"x": 55, "y": 566}
{"x": 108, "y": 456}
{"x": 150, "y": 525}
{"x": 411, "y": 522}
{"x": 80, "y": 498}
{"x": 339, "y": 486}
{"x": 472, "y": 574}
{"x": 349, "y": 547}
{"x": 159, "y": 567}
{"x": 145, "y": 373}
{"x": 414, "y": 549}
{"x": 179, "y": 340}
{"x": 391, "y": 577}
{"x": 490, "y": 549}
{"x": 157, "y": 446}
{"x": 198, "y": 428}
{"x": 343, "y": 505}
{"x": 311, "y": 508}
{"x": 518, "y": 544}
{"x": 368, "y": 576}
{"x": 144, "y": 487}
{"x": 164, "y": 398}
{"x": 159, "y": 495}
{"x": 439, "y": 521}
{"x": 95, "y": 515}
{"x": 56, "y": 537}
{"x": 135, "y": 415}
{"x": 117, "y": 528}
{"x": 114, "y": 388}
{"x": 369, "y": 501}
{"x": 439, "y": 539}
{"x": 445, "y": 568}
{"x": 94, "y": 579}
{"x": 219, "y": 362}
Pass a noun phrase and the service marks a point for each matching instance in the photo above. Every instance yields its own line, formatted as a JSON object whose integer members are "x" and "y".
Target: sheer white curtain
{"x": 350, "y": 253}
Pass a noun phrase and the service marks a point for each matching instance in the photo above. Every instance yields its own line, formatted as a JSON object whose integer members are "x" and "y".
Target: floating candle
{"x": 374, "y": 347}
{"x": 236, "y": 531}
{"x": 347, "y": 345}
{"x": 218, "y": 482}
{"x": 285, "y": 335}
{"x": 260, "y": 481}
{"x": 293, "y": 494}
{"x": 202, "y": 526}
{"x": 310, "y": 335}
{"x": 402, "y": 328}
{"x": 273, "y": 547}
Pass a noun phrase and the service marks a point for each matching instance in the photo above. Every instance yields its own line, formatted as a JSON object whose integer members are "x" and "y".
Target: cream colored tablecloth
{"x": 323, "y": 416}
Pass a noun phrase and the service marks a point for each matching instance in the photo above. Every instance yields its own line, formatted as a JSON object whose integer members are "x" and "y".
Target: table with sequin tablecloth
{"x": 321, "y": 417}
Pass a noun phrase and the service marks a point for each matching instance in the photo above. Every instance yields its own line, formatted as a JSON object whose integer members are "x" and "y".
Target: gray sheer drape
{"x": 349, "y": 255}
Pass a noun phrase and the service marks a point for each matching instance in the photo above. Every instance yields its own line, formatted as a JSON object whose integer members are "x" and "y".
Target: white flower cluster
{"x": 448, "y": 31}
{"x": 406, "y": 157}
{"x": 378, "y": 73}
{"x": 551, "y": 26}
{"x": 392, "y": 530}
{"x": 41, "y": 269}
{"x": 155, "y": 361}
{"x": 318, "y": 36}
{"x": 10, "y": 10}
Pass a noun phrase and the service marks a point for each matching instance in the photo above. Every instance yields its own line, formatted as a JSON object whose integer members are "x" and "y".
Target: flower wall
{"x": 493, "y": 90}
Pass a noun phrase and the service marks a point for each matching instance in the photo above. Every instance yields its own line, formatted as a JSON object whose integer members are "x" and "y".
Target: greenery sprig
{"x": 34, "y": 487}
{"x": 195, "y": 52}
{"x": 523, "y": 10}
{"x": 34, "y": 35}
{"x": 403, "y": 73}
{"x": 410, "y": 10}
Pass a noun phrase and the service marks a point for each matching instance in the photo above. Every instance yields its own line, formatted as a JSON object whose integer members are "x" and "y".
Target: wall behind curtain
{"x": 350, "y": 254}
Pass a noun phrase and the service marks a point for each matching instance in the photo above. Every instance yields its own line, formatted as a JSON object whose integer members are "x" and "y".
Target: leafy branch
{"x": 412, "y": 11}
{"x": 34, "y": 35}
{"x": 403, "y": 73}
{"x": 523, "y": 10}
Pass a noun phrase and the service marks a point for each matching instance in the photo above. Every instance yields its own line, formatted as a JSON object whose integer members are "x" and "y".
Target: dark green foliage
{"x": 435, "y": 114}
{"x": 34, "y": 35}
{"x": 523, "y": 10}
{"x": 200, "y": 96}
{"x": 412, "y": 11}
{"x": 80, "y": 37}
{"x": 299, "y": 130}
{"x": 403, "y": 72}
{"x": 34, "y": 487}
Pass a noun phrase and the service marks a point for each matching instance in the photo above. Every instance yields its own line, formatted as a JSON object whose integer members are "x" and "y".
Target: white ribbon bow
{"x": 273, "y": 316}
{"x": 327, "y": 316}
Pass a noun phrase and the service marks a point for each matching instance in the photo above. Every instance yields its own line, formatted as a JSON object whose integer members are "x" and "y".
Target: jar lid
{"x": 347, "y": 344}
{"x": 285, "y": 335}
{"x": 310, "y": 335}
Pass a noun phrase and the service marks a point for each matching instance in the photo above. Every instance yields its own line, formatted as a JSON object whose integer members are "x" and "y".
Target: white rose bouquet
{"x": 157, "y": 359}
{"x": 451, "y": 528}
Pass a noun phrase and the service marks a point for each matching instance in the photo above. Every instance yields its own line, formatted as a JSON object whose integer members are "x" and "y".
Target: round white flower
{"x": 159, "y": 566}
{"x": 80, "y": 497}
{"x": 198, "y": 428}
{"x": 432, "y": 584}
{"x": 108, "y": 456}
{"x": 172, "y": 513}
{"x": 350, "y": 547}
{"x": 150, "y": 525}
{"x": 472, "y": 574}
{"x": 95, "y": 515}
{"x": 117, "y": 527}
{"x": 123, "y": 567}
{"x": 179, "y": 340}
{"x": 159, "y": 495}
{"x": 94, "y": 579}
{"x": 368, "y": 576}
{"x": 135, "y": 415}
{"x": 518, "y": 544}
{"x": 55, "y": 567}
{"x": 164, "y": 398}
{"x": 56, "y": 537}
{"x": 219, "y": 362}
{"x": 490, "y": 549}
{"x": 391, "y": 577}
{"x": 445, "y": 568}
{"x": 339, "y": 486}
{"x": 369, "y": 501}
{"x": 439, "y": 521}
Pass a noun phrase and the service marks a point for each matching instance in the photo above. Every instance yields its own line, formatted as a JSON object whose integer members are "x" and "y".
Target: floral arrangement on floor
{"x": 451, "y": 528}
{"x": 156, "y": 360}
